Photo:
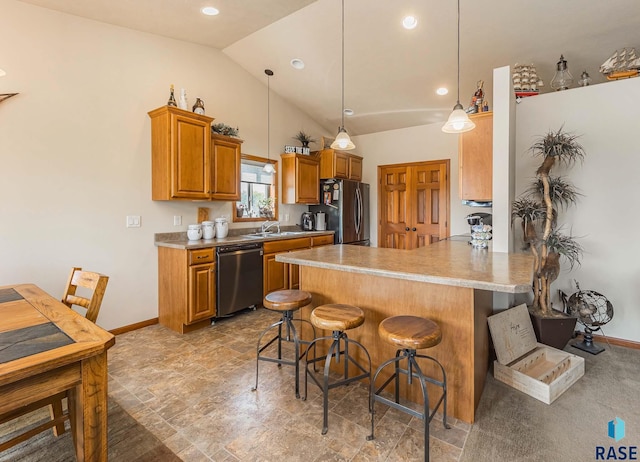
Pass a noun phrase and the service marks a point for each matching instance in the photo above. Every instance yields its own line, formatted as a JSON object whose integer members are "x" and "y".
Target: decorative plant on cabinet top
{"x": 304, "y": 138}
{"x": 538, "y": 211}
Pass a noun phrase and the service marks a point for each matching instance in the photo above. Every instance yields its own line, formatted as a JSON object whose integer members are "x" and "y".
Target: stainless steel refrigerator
{"x": 346, "y": 207}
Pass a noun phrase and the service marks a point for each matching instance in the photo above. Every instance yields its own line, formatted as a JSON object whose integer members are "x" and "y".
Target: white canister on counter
{"x": 321, "y": 224}
{"x": 222, "y": 227}
{"x": 208, "y": 230}
{"x": 194, "y": 232}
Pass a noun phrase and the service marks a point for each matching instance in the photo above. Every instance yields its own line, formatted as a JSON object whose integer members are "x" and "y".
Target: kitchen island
{"x": 449, "y": 282}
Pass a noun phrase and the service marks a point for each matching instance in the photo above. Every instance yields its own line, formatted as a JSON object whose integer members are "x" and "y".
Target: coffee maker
{"x": 307, "y": 221}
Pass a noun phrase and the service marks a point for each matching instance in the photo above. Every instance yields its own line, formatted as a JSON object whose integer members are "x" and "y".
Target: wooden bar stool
{"x": 337, "y": 318}
{"x": 410, "y": 333}
{"x": 285, "y": 302}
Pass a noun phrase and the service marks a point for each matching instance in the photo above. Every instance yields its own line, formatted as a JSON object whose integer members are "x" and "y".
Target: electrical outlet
{"x": 286, "y": 217}
{"x": 177, "y": 220}
{"x": 133, "y": 221}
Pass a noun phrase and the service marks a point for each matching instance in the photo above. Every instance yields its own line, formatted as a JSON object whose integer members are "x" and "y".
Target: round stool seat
{"x": 286, "y": 300}
{"x": 411, "y": 332}
{"x": 337, "y": 317}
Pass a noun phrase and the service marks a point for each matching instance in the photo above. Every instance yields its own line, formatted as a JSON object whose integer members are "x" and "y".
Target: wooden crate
{"x": 538, "y": 370}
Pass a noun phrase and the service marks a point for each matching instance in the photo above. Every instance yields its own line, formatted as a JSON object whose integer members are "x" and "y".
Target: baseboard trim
{"x": 137, "y": 325}
{"x": 616, "y": 341}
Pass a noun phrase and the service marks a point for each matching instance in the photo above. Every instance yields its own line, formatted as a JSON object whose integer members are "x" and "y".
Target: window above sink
{"x": 258, "y": 189}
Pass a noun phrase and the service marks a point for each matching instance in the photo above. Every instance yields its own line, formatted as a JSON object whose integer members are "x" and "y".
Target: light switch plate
{"x": 177, "y": 220}
{"x": 133, "y": 221}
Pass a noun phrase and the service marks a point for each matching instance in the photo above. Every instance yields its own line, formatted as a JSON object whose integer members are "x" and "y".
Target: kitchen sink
{"x": 257, "y": 235}
{"x": 269, "y": 234}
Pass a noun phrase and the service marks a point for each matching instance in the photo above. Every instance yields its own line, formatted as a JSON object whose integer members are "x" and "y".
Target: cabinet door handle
{"x": 413, "y": 229}
{"x": 407, "y": 228}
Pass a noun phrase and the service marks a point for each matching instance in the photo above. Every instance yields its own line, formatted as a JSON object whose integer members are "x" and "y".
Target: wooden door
{"x": 429, "y": 203}
{"x": 394, "y": 213}
{"x": 201, "y": 293}
{"x": 413, "y": 204}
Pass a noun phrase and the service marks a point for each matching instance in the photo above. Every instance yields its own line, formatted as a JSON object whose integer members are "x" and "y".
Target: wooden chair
{"x": 95, "y": 282}
{"x": 95, "y": 285}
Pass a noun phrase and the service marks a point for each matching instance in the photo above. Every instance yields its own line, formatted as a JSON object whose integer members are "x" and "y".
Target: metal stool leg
{"x": 290, "y": 334}
{"x": 334, "y": 351}
{"x": 413, "y": 371}
{"x": 260, "y": 350}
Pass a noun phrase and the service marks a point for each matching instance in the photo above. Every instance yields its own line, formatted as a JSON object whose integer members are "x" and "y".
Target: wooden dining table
{"x": 47, "y": 348}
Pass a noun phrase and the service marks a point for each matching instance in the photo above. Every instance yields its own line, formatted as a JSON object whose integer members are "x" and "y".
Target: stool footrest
{"x": 335, "y": 353}
{"x": 291, "y": 335}
{"x": 411, "y": 371}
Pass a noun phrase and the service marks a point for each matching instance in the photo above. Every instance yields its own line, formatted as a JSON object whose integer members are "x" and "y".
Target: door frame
{"x": 444, "y": 201}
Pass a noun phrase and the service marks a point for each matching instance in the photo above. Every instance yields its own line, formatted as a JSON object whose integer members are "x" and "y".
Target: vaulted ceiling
{"x": 391, "y": 73}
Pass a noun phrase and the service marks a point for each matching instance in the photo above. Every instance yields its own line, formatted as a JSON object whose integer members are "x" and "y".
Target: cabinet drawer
{"x": 201, "y": 256}
{"x": 322, "y": 240}
{"x": 287, "y": 244}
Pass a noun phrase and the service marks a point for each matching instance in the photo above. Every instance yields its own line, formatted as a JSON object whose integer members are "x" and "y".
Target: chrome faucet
{"x": 266, "y": 225}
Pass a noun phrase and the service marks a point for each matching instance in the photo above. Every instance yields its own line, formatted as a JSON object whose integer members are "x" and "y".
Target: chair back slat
{"x": 95, "y": 282}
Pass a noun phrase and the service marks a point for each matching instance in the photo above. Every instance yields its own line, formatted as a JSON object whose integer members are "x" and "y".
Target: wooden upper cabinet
{"x": 340, "y": 164}
{"x": 180, "y": 150}
{"x": 300, "y": 179}
{"x": 190, "y": 162}
{"x": 355, "y": 168}
{"x": 475, "y": 159}
{"x": 225, "y": 167}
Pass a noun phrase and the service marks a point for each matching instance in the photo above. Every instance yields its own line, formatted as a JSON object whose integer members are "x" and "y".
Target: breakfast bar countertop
{"x": 448, "y": 262}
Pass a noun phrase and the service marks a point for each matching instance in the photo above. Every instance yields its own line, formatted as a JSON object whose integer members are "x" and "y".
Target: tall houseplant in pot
{"x": 537, "y": 210}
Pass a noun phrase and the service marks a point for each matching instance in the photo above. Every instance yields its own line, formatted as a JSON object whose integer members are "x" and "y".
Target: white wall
{"x": 415, "y": 144}
{"x": 605, "y": 219}
{"x": 75, "y": 148}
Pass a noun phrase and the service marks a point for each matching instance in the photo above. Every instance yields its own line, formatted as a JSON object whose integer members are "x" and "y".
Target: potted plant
{"x": 265, "y": 206}
{"x": 224, "y": 129}
{"x": 537, "y": 210}
{"x": 304, "y": 139}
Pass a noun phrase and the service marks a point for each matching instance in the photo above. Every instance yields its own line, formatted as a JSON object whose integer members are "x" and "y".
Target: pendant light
{"x": 342, "y": 140}
{"x": 458, "y": 121}
{"x": 268, "y": 167}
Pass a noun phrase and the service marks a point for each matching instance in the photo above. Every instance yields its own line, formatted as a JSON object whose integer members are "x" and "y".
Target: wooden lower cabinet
{"x": 276, "y": 274}
{"x": 202, "y": 292}
{"x": 186, "y": 288}
{"x": 280, "y": 276}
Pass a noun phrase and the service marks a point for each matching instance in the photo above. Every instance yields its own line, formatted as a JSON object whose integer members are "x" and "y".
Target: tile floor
{"x": 193, "y": 391}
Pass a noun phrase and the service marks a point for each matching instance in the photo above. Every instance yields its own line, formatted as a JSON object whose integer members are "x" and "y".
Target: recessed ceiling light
{"x": 348, "y": 112}
{"x": 442, "y": 91}
{"x": 297, "y": 63}
{"x": 410, "y": 22}
{"x": 210, "y": 11}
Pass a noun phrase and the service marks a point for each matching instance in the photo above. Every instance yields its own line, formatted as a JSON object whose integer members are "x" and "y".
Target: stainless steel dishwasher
{"x": 239, "y": 277}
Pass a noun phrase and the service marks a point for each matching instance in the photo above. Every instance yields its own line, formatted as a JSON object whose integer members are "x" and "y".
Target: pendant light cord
{"x": 343, "y": 64}
{"x": 268, "y": 118}
{"x": 458, "y": 100}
